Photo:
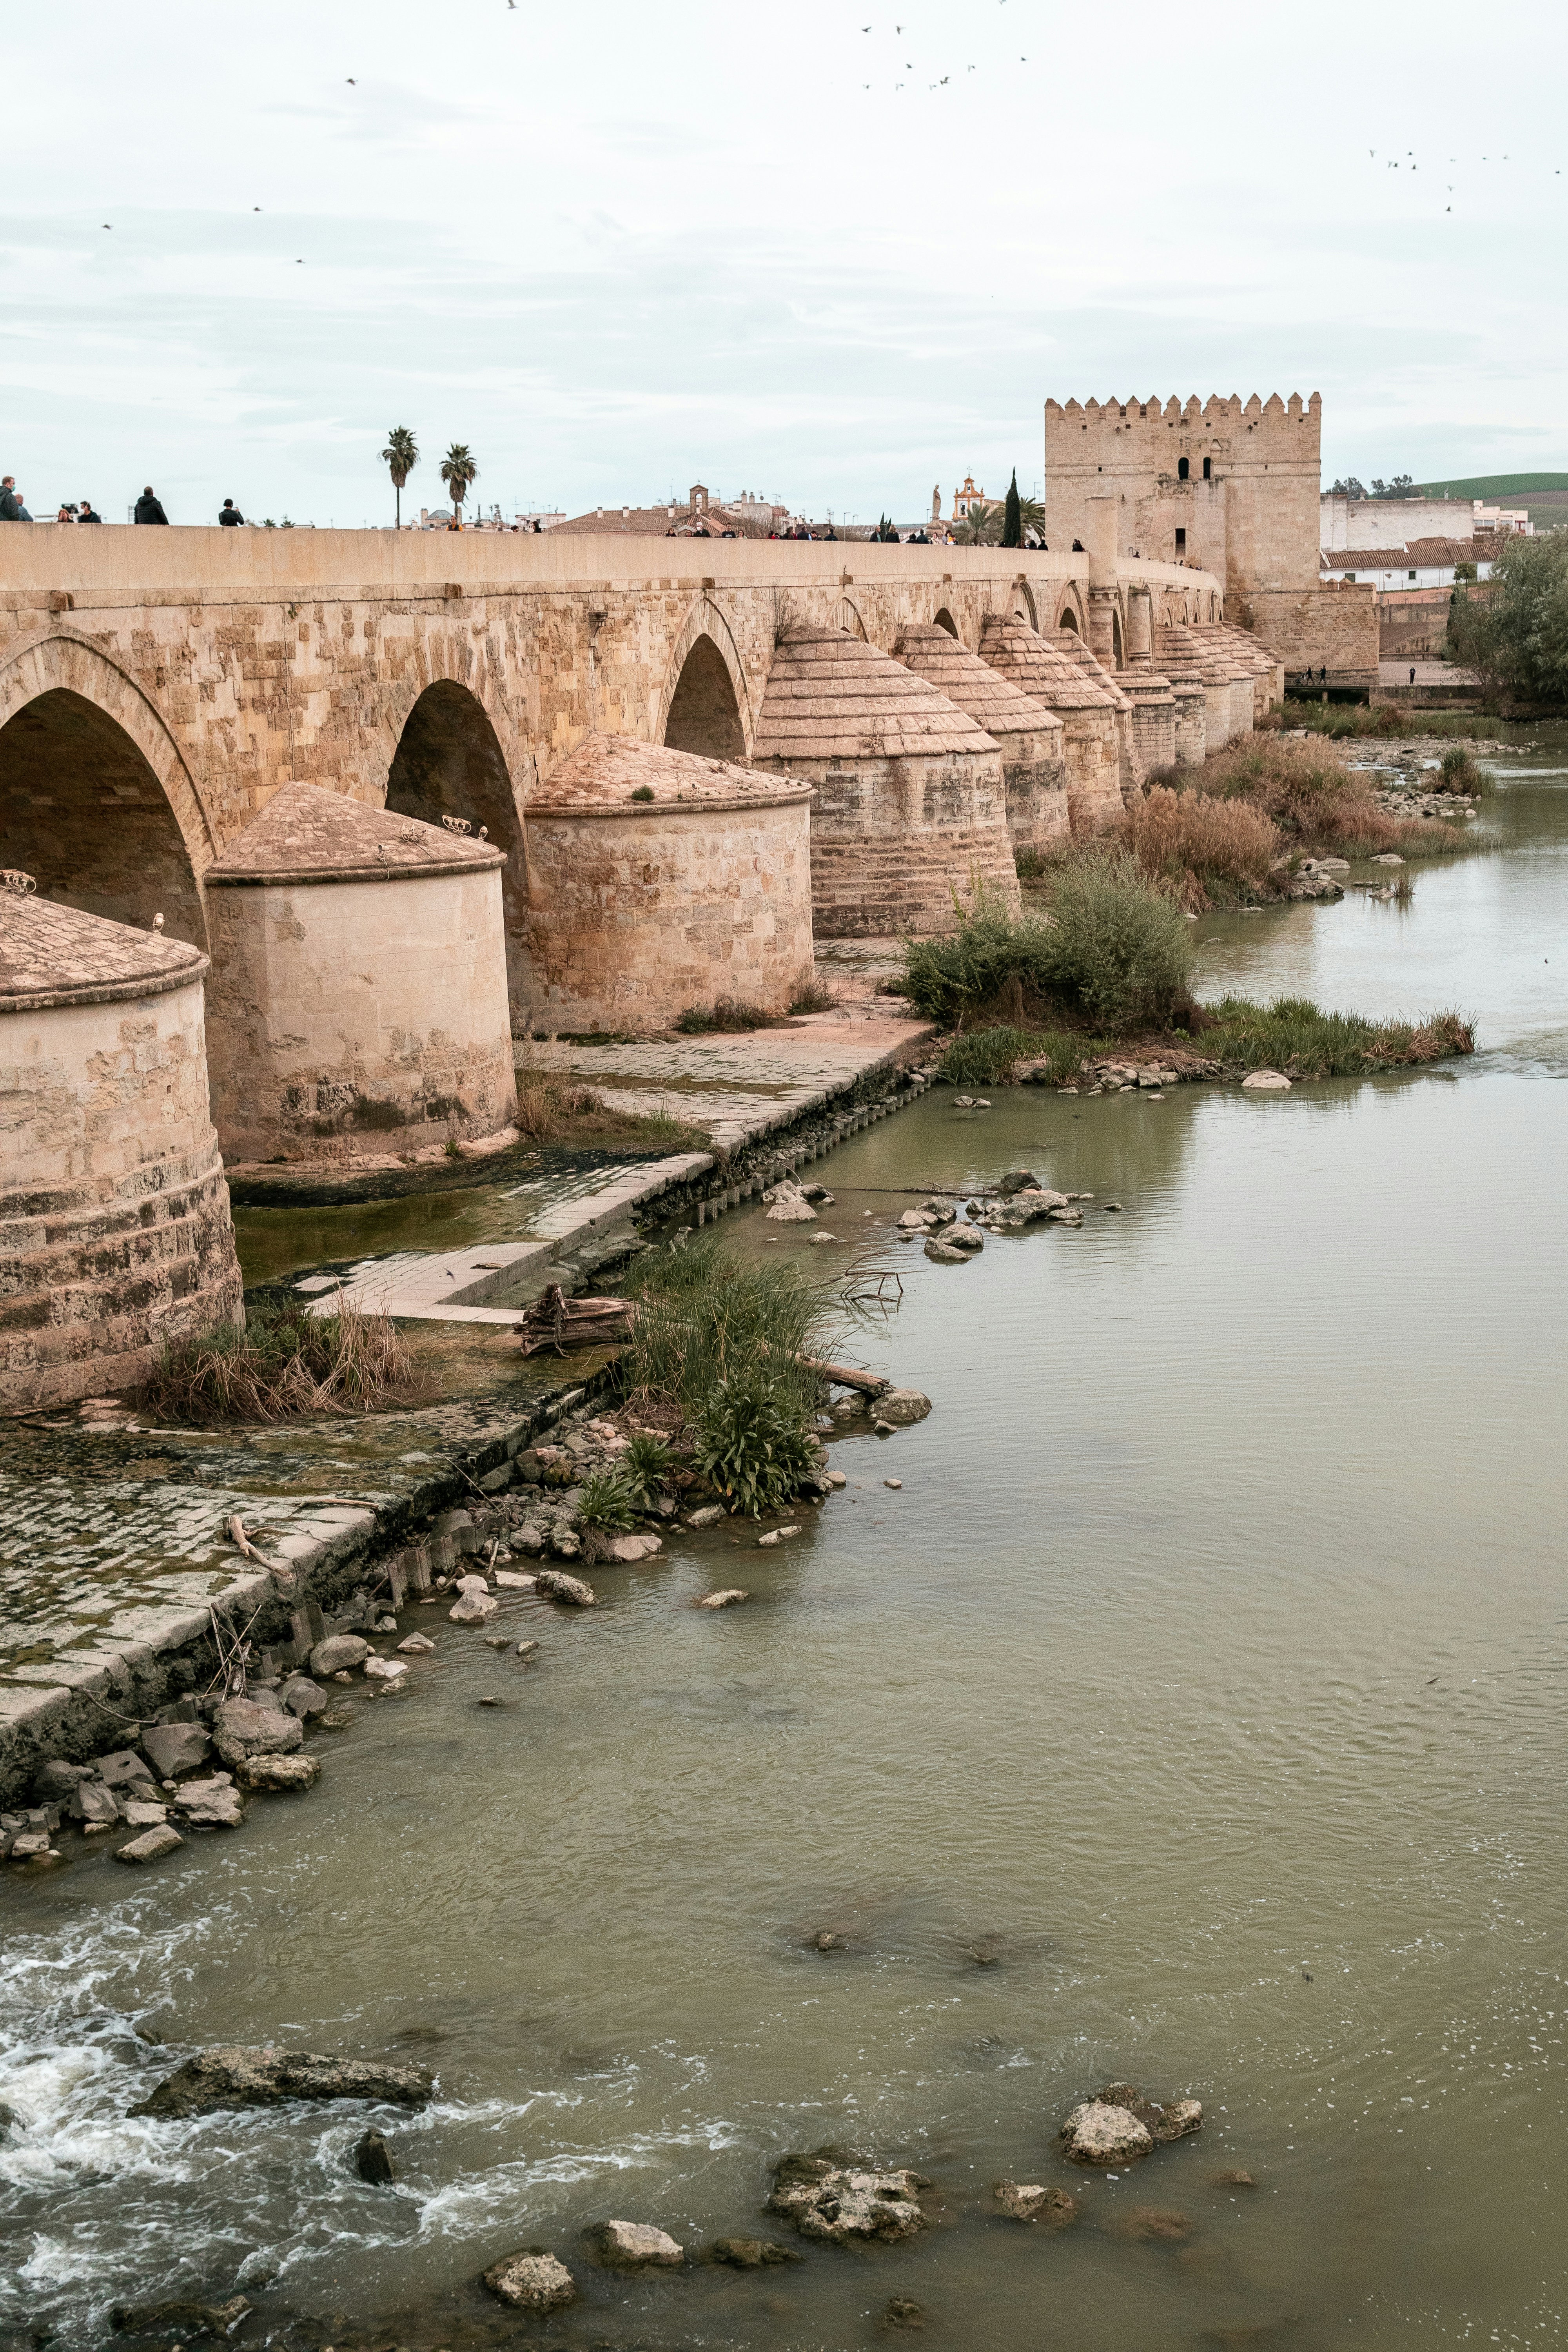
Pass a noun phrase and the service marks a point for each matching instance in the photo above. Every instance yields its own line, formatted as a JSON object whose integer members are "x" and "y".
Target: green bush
{"x": 1295, "y": 1036}
{"x": 608, "y": 1500}
{"x": 647, "y": 1463}
{"x": 751, "y": 1445}
{"x": 985, "y": 1056}
{"x": 705, "y": 1316}
{"x": 1110, "y": 947}
{"x": 1460, "y": 772}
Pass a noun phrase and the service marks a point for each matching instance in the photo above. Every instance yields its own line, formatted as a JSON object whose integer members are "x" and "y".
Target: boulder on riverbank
{"x": 245, "y": 1728}
{"x": 531, "y": 2281}
{"x": 337, "y": 1655}
{"x": 752, "y": 2253}
{"x": 182, "y": 2317}
{"x": 902, "y": 1406}
{"x": 279, "y": 1774}
{"x": 232, "y": 2078}
{"x": 556, "y": 1585}
{"x": 175, "y": 1749}
{"x": 830, "y": 2197}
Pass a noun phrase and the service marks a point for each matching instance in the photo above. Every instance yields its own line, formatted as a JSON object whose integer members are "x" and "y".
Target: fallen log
{"x": 559, "y": 1322}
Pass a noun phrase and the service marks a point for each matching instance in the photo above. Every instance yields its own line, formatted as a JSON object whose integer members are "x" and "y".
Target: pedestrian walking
{"x": 1413, "y": 678}
{"x": 85, "y": 512}
{"x": 149, "y": 508}
{"x": 229, "y": 513}
{"x": 11, "y": 507}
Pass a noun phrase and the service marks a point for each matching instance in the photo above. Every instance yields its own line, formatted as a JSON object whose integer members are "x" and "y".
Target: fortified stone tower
{"x": 1230, "y": 488}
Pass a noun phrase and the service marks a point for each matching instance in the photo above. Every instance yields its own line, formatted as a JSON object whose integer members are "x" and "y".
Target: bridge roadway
{"x": 156, "y": 684}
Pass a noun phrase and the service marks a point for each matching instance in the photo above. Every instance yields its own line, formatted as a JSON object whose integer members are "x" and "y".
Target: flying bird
{"x": 109, "y": 224}
{"x": 349, "y": 79}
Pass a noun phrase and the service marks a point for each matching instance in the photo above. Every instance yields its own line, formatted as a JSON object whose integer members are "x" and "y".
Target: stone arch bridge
{"x": 157, "y": 686}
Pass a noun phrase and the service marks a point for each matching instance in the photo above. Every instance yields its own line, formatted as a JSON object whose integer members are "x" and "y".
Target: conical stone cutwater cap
{"x": 602, "y": 772}
{"x": 1037, "y": 669}
{"x": 982, "y": 693}
{"x": 51, "y": 954}
{"x": 307, "y": 833}
{"x": 1082, "y": 655}
{"x": 830, "y": 696}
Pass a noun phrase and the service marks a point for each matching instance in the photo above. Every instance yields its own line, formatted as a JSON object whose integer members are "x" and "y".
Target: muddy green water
{"x": 1209, "y": 1661}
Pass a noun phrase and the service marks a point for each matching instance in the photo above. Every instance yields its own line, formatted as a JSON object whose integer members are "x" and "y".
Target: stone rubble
{"x": 830, "y": 2197}
{"x": 1119, "y": 2125}
{"x": 531, "y": 2281}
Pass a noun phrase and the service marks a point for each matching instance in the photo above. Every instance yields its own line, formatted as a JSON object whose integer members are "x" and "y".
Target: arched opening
{"x": 1069, "y": 619}
{"x": 449, "y": 764}
{"x": 1183, "y": 469}
{"x": 704, "y": 715}
{"x": 1116, "y": 639}
{"x": 83, "y": 812}
{"x": 945, "y": 620}
{"x": 845, "y": 616}
{"x": 1208, "y": 462}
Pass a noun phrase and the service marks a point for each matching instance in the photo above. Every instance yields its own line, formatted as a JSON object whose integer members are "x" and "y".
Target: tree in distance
{"x": 401, "y": 455}
{"x": 457, "y": 470}
{"x": 981, "y": 526}
{"x": 1012, "y": 519}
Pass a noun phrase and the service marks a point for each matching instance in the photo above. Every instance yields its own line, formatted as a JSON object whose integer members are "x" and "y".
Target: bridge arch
{"x": 1023, "y": 605}
{"x": 846, "y": 615}
{"x": 448, "y": 762}
{"x": 943, "y": 619}
{"x": 703, "y": 707}
{"x": 1069, "y": 613}
{"x": 95, "y": 801}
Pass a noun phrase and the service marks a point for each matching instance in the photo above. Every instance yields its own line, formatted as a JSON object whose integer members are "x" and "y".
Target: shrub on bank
{"x": 1318, "y": 805}
{"x": 1205, "y": 849}
{"x": 730, "y": 1013}
{"x": 1111, "y": 949}
{"x": 751, "y": 1444}
{"x": 282, "y": 1364}
{"x": 706, "y": 1317}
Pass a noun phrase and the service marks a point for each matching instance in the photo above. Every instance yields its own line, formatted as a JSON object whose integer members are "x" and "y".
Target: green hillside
{"x": 1492, "y": 485}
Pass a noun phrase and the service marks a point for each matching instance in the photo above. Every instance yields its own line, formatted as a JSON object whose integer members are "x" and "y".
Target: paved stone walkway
{"x": 115, "y": 1541}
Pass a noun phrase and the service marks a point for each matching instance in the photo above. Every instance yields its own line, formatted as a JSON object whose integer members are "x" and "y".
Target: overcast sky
{"x": 618, "y": 249}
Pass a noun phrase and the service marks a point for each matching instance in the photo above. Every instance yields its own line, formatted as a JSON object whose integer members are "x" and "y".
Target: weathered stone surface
{"x": 512, "y": 1580}
{"x": 139, "y": 1814}
{"x": 942, "y": 1253}
{"x": 415, "y": 1644}
{"x": 828, "y": 2198}
{"x": 175, "y": 1749}
{"x": 708, "y": 1516}
{"x": 58, "y": 1780}
{"x": 636, "y": 2245}
{"x": 373, "y": 2160}
{"x": 212, "y": 1804}
{"x": 628, "y": 1549}
{"x": 91, "y": 1802}
{"x": 789, "y": 1206}
{"x": 385, "y": 1670}
{"x": 337, "y": 1652}
{"x": 1096, "y": 2133}
{"x": 1017, "y": 1179}
{"x": 776, "y": 1535}
{"x": 556, "y": 1585}
{"x": 724, "y": 1599}
{"x": 151, "y": 1846}
{"x": 304, "y": 1697}
{"x": 279, "y": 1773}
{"x": 753, "y": 2253}
{"x": 243, "y": 1729}
{"x": 1266, "y": 1082}
{"x": 180, "y": 2316}
{"x": 229, "y": 2077}
{"x": 474, "y": 1608}
{"x": 124, "y": 1769}
{"x": 902, "y": 1406}
{"x": 1031, "y": 2202}
{"x": 533, "y": 2281}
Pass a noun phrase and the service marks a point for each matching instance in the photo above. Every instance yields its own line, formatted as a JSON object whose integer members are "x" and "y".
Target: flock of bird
{"x": 1406, "y": 162}
{"x": 910, "y": 66}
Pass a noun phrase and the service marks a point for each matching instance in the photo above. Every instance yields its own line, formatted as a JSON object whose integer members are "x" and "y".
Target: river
{"x": 1192, "y": 1713}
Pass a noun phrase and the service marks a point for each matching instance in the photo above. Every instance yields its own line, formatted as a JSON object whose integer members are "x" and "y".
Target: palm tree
{"x": 457, "y": 470}
{"x": 1031, "y": 523}
{"x": 981, "y": 526}
{"x": 401, "y": 455}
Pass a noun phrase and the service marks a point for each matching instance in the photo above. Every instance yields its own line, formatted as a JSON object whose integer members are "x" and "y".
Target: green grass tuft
{"x": 1296, "y": 1036}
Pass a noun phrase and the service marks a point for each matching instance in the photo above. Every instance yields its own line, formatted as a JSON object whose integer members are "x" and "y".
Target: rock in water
{"x": 280, "y": 1774}
{"x": 827, "y": 2197}
{"x": 789, "y": 1206}
{"x": 303, "y": 1697}
{"x": 1016, "y": 1180}
{"x": 243, "y": 1729}
{"x": 1124, "y": 2125}
{"x": 943, "y": 1254}
{"x": 899, "y": 2312}
{"x": 415, "y": 1644}
{"x": 753, "y": 2253}
{"x": 1054, "y": 2207}
{"x": 1266, "y": 1082}
{"x": 385, "y": 1670}
{"x": 1097, "y": 2134}
{"x": 708, "y": 1516}
{"x": 723, "y": 1600}
{"x": 629, "y": 1548}
{"x": 229, "y": 2077}
{"x": 902, "y": 1406}
{"x": 373, "y": 2160}
{"x": 556, "y": 1585}
{"x": 636, "y": 2246}
{"x": 173, "y": 1748}
{"x": 531, "y": 2281}
{"x": 336, "y": 1653}
{"x": 187, "y": 2318}
{"x": 151, "y": 1846}
{"x": 473, "y": 1609}
{"x": 1148, "y": 2226}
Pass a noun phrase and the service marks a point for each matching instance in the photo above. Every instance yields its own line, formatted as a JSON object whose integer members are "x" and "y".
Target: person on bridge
{"x": 229, "y": 513}
{"x": 149, "y": 508}
{"x": 11, "y": 507}
{"x": 1413, "y": 678}
{"x": 87, "y": 513}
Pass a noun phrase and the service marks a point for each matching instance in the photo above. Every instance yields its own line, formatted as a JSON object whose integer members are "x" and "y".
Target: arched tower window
{"x": 1183, "y": 469}
{"x": 1207, "y": 463}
